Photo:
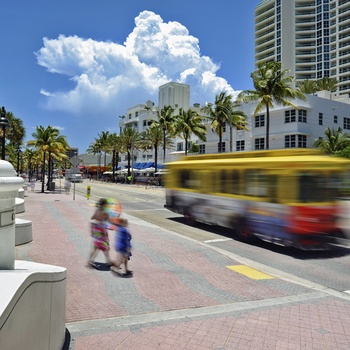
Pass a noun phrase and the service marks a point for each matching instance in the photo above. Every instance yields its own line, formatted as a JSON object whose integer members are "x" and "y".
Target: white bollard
{"x": 9, "y": 186}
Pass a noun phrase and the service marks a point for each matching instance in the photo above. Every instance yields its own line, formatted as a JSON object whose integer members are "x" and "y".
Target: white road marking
{"x": 218, "y": 240}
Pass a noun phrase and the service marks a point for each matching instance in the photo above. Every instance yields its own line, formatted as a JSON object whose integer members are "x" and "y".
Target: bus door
{"x": 265, "y": 212}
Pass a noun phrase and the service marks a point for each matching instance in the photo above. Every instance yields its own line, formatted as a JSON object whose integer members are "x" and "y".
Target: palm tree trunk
{"x": 267, "y": 126}
{"x": 129, "y": 163}
{"x": 48, "y": 172}
{"x": 113, "y": 166}
{"x": 155, "y": 157}
{"x": 164, "y": 130}
{"x": 43, "y": 175}
{"x": 220, "y": 138}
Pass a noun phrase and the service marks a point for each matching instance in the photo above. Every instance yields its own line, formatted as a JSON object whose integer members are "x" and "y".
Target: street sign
{"x": 75, "y": 161}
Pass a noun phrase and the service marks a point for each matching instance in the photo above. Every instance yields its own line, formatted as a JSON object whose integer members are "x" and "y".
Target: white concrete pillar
{"x": 9, "y": 186}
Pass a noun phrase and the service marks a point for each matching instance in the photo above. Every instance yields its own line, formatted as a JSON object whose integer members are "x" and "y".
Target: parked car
{"x": 75, "y": 178}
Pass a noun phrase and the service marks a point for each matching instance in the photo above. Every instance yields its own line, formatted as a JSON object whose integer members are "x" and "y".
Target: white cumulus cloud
{"x": 109, "y": 77}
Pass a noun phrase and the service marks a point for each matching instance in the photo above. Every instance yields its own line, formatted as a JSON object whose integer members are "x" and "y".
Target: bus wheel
{"x": 189, "y": 220}
{"x": 243, "y": 232}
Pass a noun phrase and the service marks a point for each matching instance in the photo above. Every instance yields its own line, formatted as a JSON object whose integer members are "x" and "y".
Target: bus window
{"x": 234, "y": 183}
{"x": 184, "y": 178}
{"x": 205, "y": 178}
{"x": 256, "y": 183}
{"x": 272, "y": 188}
{"x": 318, "y": 187}
{"x": 223, "y": 181}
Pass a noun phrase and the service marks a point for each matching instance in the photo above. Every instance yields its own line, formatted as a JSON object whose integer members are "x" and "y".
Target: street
{"x": 328, "y": 268}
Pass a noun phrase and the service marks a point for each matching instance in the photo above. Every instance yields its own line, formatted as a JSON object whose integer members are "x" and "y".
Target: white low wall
{"x": 19, "y": 205}
{"x": 23, "y": 231}
{"x": 32, "y": 307}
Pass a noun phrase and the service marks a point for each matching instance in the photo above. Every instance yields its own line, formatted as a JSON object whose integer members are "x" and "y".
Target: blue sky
{"x": 79, "y": 64}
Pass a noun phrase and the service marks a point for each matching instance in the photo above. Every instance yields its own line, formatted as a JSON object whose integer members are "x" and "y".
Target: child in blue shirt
{"x": 123, "y": 248}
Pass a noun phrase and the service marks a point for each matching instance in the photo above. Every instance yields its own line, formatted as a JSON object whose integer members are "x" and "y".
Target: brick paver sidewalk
{"x": 184, "y": 294}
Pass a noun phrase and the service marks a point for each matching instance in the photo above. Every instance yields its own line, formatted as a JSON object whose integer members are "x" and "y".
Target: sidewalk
{"x": 184, "y": 294}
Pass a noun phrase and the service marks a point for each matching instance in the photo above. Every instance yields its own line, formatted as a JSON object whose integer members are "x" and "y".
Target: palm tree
{"x": 236, "y": 119}
{"x": 114, "y": 145}
{"x": 17, "y": 132}
{"x": 190, "y": 122}
{"x": 15, "y": 135}
{"x": 272, "y": 85}
{"x": 95, "y": 148}
{"x": 335, "y": 143}
{"x": 167, "y": 122}
{"x": 327, "y": 83}
{"x": 307, "y": 86}
{"x": 223, "y": 112}
{"x": 102, "y": 139}
{"x": 32, "y": 159}
{"x": 57, "y": 150}
{"x": 153, "y": 138}
{"x": 44, "y": 141}
{"x": 131, "y": 140}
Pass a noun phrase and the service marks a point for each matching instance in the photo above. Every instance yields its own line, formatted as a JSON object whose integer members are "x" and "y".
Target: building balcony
{"x": 260, "y": 20}
{"x": 310, "y": 44}
{"x": 305, "y": 53}
{"x": 259, "y": 43}
{"x": 266, "y": 25}
{"x": 264, "y": 57}
{"x": 305, "y": 37}
{"x": 264, "y": 35}
{"x": 344, "y": 19}
{"x": 266, "y": 48}
{"x": 305, "y": 69}
{"x": 304, "y": 5}
{"x": 261, "y": 11}
{"x": 305, "y": 61}
{"x": 305, "y": 21}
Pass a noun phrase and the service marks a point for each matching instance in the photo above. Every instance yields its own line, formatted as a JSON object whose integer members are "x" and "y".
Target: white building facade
{"x": 289, "y": 127}
{"x": 309, "y": 37}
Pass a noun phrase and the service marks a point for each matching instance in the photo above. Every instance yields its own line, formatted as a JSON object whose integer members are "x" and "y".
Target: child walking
{"x": 123, "y": 249}
{"x": 99, "y": 233}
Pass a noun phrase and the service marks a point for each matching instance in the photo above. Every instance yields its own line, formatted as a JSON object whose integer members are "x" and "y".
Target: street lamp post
{"x": 4, "y": 123}
{"x": 18, "y": 153}
{"x": 75, "y": 169}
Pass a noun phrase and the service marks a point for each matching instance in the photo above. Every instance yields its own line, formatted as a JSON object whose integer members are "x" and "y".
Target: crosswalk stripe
{"x": 250, "y": 272}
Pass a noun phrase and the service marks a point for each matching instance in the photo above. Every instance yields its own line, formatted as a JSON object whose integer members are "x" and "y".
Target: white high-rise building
{"x": 309, "y": 37}
{"x": 175, "y": 95}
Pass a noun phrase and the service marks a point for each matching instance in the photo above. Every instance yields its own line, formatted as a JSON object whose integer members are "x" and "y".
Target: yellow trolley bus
{"x": 288, "y": 197}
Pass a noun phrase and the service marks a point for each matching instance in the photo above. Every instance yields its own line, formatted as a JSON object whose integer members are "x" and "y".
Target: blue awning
{"x": 148, "y": 165}
{"x": 140, "y": 166}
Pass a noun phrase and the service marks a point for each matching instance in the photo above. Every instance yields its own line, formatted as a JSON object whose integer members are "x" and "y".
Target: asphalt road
{"x": 329, "y": 268}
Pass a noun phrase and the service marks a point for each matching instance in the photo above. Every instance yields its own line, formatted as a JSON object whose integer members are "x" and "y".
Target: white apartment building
{"x": 309, "y": 37}
{"x": 289, "y": 128}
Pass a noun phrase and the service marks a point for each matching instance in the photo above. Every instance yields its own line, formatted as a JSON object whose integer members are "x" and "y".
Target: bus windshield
{"x": 319, "y": 187}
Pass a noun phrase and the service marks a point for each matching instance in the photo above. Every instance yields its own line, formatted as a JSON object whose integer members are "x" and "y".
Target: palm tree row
{"x": 312, "y": 86}
{"x": 48, "y": 143}
{"x": 224, "y": 112}
{"x": 167, "y": 126}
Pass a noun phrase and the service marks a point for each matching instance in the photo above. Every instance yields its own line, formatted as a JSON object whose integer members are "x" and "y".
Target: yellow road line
{"x": 250, "y": 272}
